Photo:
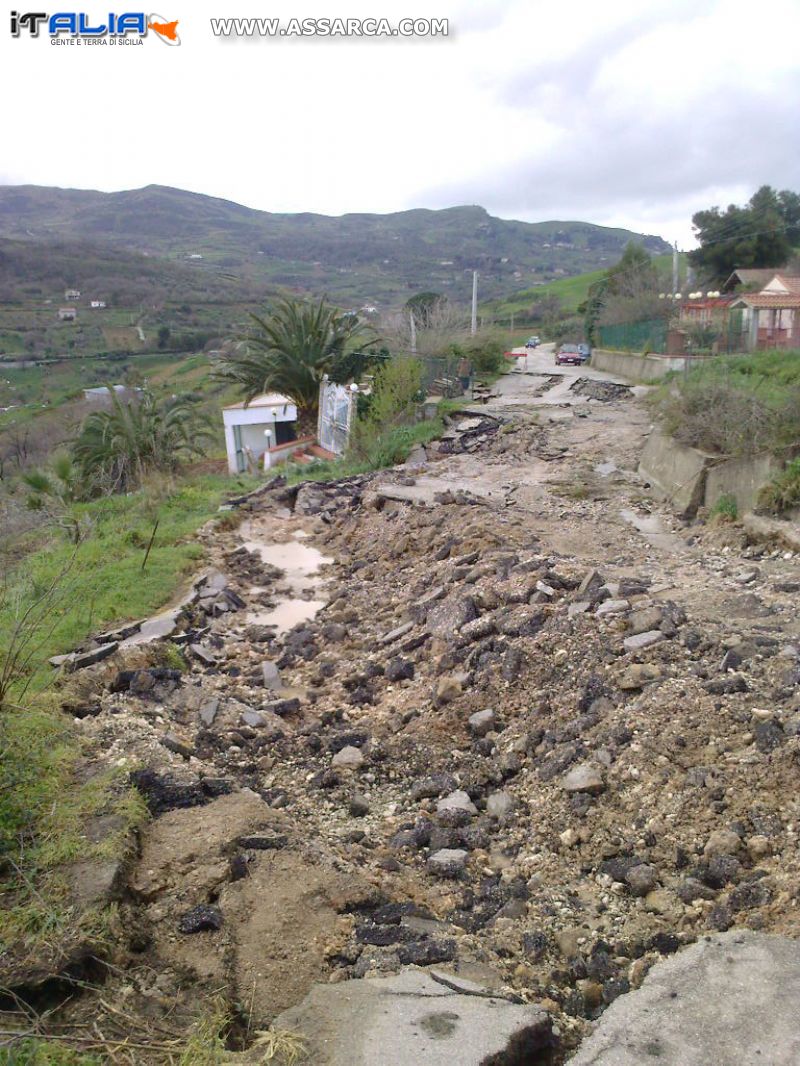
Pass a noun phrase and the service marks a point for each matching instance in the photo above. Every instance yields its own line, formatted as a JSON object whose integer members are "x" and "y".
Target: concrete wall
{"x": 677, "y": 473}
{"x": 636, "y": 367}
{"x": 689, "y": 479}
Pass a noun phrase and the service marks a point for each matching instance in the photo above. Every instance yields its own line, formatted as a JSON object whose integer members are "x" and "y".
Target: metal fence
{"x": 634, "y": 336}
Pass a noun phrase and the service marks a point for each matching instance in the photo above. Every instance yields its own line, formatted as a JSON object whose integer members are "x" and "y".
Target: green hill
{"x": 570, "y": 291}
{"x": 355, "y": 258}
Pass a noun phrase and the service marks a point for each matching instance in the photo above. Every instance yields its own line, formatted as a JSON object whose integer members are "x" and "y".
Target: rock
{"x": 640, "y": 641}
{"x": 448, "y": 689}
{"x": 396, "y": 634}
{"x": 456, "y": 809}
{"x": 567, "y": 941}
{"x": 729, "y": 999}
{"x": 638, "y": 675}
{"x": 349, "y": 758}
{"x": 446, "y": 618}
{"x": 208, "y": 711}
{"x": 645, "y": 621}
{"x": 613, "y": 607}
{"x": 663, "y": 902}
{"x": 482, "y": 722}
{"x": 586, "y": 777}
{"x": 768, "y": 736}
{"x": 200, "y": 918}
{"x": 400, "y": 670}
{"x": 642, "y": 879}
{"x": 271, "y": 675}
{"x": 581, "y": 607}
{"x": 448, "y": 862}
{"x": 499, "y": 804}
{"x": 477, "y": 629}
{"x": 758, "y": 847}
{"x": 413, "y": 1017}
{"x": 723, "y": 842}
{"x": 591, "y": 587}
{"x": 172, "y": 742}
{"x": 358, "y": 806}
{"x": 264, "y": 841}
{"x": 203, "y": 654}
{"x": 691, "y": 889}
{"x": 78, "y": 660}
{"x": 431, "y": 787}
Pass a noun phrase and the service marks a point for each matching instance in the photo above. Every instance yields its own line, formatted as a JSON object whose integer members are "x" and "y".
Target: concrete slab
{"x": 729, "y": 999}
{"x": 408, "y": 1018}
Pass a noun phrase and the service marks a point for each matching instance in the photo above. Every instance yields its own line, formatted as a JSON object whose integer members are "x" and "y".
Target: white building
{"x": 97, "y": 303}
{"x": 260, "y": 433}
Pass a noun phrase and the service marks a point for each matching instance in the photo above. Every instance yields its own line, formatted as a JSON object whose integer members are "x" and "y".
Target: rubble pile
{"x": 555, "y": 772}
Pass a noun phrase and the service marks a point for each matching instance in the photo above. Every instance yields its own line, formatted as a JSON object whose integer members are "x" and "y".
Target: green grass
{"x": 770, "y": 374}
{"x": 45, "y": 1053}
{"x": 570, "y": 291}
{"x": 105, "y": 579}
{"x": 43, "y": 805}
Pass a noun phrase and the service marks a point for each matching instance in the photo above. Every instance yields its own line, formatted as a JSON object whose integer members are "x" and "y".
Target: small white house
{"x": 97, "y": 303}
{"x": 72, "y": 294}
{"x": 260, "y": 433}
{"x": 67, "y": 314}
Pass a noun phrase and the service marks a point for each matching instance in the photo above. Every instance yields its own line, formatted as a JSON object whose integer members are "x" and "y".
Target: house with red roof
{"x": 770, "y": 317}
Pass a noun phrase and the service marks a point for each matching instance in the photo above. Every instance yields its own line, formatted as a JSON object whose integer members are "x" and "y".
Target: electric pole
{"x": 675, "y": 269}
{"x": 413, "y": 333}
{"x": 474, "y": 326}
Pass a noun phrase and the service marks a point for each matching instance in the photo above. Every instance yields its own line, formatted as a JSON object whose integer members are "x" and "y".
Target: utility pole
{"x": 675, "y": 269}
{"x": 474, "y": 326}
{"x": 512, "y": 323}
{"x": 413, "y": 333}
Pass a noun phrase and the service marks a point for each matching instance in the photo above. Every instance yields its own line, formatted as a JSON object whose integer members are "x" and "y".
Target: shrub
{"x": 783, "y": 492}
{"x": 396, "y": 391}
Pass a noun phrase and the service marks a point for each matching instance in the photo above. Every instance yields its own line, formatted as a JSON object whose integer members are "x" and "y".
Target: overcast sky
{"x": 622, "y": 113}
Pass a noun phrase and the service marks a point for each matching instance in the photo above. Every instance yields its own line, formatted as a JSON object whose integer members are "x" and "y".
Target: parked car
{"x": 585, "y": 351}
{"x": 569, "y": 353}
{"x": 532, "y": 342}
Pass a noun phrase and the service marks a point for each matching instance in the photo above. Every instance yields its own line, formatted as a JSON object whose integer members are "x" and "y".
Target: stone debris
{"x": 522, "y": 737}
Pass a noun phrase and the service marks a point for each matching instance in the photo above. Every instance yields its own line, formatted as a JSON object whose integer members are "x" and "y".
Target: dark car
{"x": 570, "y": 354}
{"x": 585, "y": 351}
{"x": 532, "y": 342}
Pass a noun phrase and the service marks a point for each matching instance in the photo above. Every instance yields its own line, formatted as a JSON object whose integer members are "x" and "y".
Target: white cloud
{"x": 630, "y": 114}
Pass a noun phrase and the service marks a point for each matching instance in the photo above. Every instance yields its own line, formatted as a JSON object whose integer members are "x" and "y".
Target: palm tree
{"x": 291, "y": 350}
{"x": 115, "y": 448}
{"x": 54, "y": 491}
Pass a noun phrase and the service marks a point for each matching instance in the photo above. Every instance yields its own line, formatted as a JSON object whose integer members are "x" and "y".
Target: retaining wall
{"x": 643, "y": 368}
{"x": 689, "y": 479}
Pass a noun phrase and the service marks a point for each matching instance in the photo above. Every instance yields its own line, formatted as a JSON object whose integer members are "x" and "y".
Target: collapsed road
{"x": 494, "y": 720}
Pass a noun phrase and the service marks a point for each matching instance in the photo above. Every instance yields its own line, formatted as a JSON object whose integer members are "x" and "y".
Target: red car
{"x": 569, "y": 353}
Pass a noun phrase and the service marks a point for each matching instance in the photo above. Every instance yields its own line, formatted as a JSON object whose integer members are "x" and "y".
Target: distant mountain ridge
{"x": 354, "y": 258}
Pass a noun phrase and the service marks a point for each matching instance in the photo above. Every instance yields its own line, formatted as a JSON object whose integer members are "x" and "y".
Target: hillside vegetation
{"x": 356, "y": 258}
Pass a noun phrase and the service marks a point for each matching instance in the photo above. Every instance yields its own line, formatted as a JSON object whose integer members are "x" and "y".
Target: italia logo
{"x": 79, "y": 25}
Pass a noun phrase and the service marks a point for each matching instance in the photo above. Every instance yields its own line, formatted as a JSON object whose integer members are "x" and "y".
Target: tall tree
{"x": 760, "y": 234}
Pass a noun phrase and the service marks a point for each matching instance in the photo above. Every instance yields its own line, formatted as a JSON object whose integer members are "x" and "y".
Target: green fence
{"x": 634, "y": 336}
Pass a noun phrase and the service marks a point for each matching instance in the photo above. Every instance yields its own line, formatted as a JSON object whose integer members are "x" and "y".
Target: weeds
{"x": 782, "y": 494}
{"x": 736, "y": 405}
{"x": 726, "y": 509}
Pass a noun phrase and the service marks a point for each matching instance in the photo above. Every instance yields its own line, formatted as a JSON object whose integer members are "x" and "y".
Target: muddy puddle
{"x": 298, "y": 596}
